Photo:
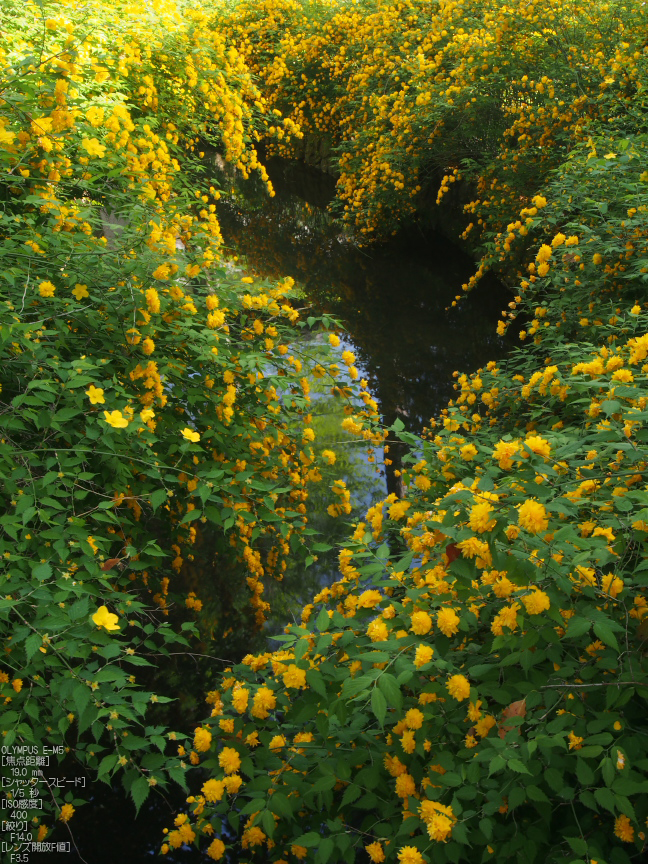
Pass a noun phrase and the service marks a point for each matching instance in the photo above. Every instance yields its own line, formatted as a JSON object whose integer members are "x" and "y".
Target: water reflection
{"x": 392, "y": 297}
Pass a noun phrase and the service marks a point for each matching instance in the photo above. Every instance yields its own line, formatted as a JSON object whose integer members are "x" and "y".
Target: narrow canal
{"x": 395, "y": 298}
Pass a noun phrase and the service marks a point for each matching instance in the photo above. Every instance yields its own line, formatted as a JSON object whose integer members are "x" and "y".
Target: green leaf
{"x": 536, "y": 794}
{"x": 32, "y": 644}
{"x": 517, "y": 765}
{"x": 140, "y": 791}
{"x": 42, "y": 571}
{"x": 190, "y": 516}
{"x": 322, "y": 622}
{"x": 268, "y": 822}
{"x": 496, "y": 764}
{"x": 578, "y": 845}
{"x": 486, "y": 827}
{"x": 178, "y": 775}
{"x": 608, "y": 770}
{"x": 158, "y": 497}
{"x": 351, "y": 793}
{"x": 106, "y": 765}
{"x": 81, "y": 697}
{"x": 516, "y": 796}
{"x": 604, "y": 632}
{"x": 325, "y": 850}
{"x": 353, "y": 686}
{"x": 584, "y": 772}
{"x": 392, "y": 691}
{"x": 605, "y": 798}
{"x": 280, "y": 805}
{"x": 301, "y": 648}
{"x": 379, "y": 705}
{"x": 308, "y": 840}
{"x": 324, "y": 783}
{"x": 577, "y": 627}
{"x": 316, "y": 681}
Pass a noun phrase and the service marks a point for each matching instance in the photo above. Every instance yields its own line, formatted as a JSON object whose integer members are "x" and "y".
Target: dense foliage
{"x": 157, "y": 448}
{"x": 475, "y": 683}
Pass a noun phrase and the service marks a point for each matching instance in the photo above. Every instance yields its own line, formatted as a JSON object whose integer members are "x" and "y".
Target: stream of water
{"x": 394, "y": 298}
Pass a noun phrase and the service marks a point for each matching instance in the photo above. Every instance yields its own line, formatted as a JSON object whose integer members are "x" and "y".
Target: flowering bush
{"x": 474, "y": 686}
{"x": 493, "y": 678}
{"x": 154, "y": 410}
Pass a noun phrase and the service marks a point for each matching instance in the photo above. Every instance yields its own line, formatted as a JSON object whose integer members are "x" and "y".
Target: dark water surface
{"x": 393, "y": 297}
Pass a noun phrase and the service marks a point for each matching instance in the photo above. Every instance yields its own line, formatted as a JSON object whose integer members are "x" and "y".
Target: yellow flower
{"x": 506, "y": 617}
{"x": 538, "y": 445}
{"x": 536, "y": 602}
{"x": 240, "y": 698}
{"x": 533, "y": 516}
{"x": 229, "y": 760}
{"x": 377, "y": 631}
{"x": 575, "y": 743}
{"x": 504, "y": 452}
{"x": 202, "y": 739}
{"x": 440, "y": 826}
{"x": 479, "y": 519}
{"x": 636, "y": 309}
{"x": 116, "y": 419}
{"x": 216, "y": 849}
{"x": 148, "y": 345}
{"x": 93, "y": 147}
{"x": 95, "y": 395}
{"x": 67, "y": 812}
{"x": 484, "y": 725}
{"x": 46, "y": 289}
{"x": 375, "y": 852}
{"x": 414, "y": 718}
{"x": 233, "y": 783}
{"x": 264, "y": 701}
{"x": 162, "y": 272}
{"x": 448, "y": 622}
{"x": 334, "y": 340}
{"x": 458, "y": 687}
{"x": 104, "y": 618}
{"x": 468, "y": 452}
{"x": 405, "y": 785}
{"x": 410, "y": 855}
{"x": 421, "y": 623}
{"x": 330, "y": 456}
{"x": 368, "y": 599}
{"x": 152, "y": 300}
{"x": 623, "y": 828}
{"x": 423, "y": 655}
{"x": 294, "y": 677}
{"x": 80, "y": 291}
{"x": 190, "y": 435}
